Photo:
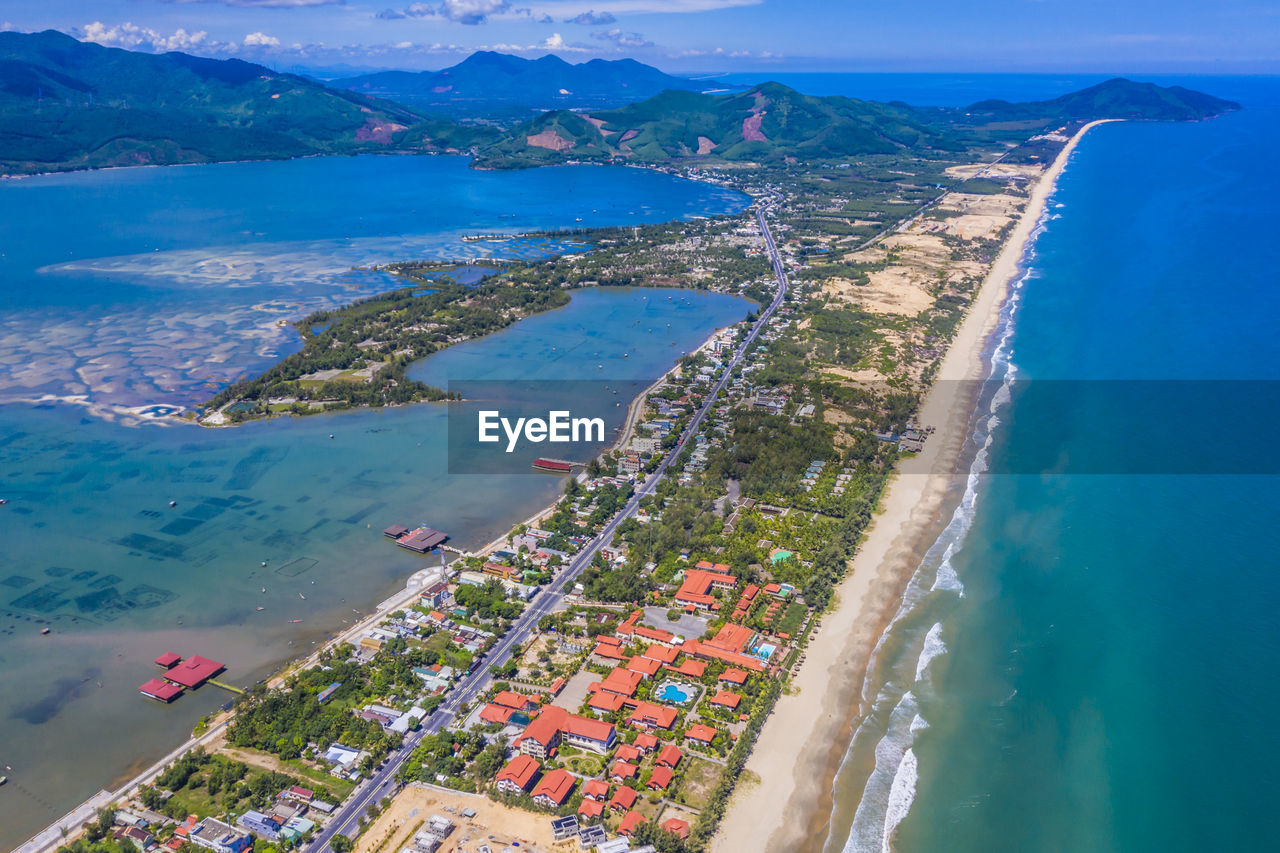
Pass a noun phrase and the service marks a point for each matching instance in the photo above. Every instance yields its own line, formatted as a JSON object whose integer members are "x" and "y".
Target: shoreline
{"x": 801, "y": 747}
{"x": 125, "y": 784}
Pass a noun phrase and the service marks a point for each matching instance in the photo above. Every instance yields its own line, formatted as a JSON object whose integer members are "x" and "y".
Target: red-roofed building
{"x": 660, "y": 778}
{"x": 677, "y": 827}
{"x": 622, "y": 681}
{"x": 556, "y": 687}
{"x": 621, "y": 771}
{"x": 515, "y": 701}
{"x": 193, "y": 671}
{"x": 629, "y": 823}
{"x": 698, "y": 584}
{"x": 518, "y": 775}
{"x": 669, "y": 756}
{"x": 591, "y": 809}
{"x": 605, "y": 702}
{"x": 690, "y": 668}
{"x": 609, "y": 651}
{"x": 734, "y": 676}
{"x": 623, "y": 799}
{"x": 711, "y": 652}
{"x": 554, "y": 723}
{"x": 595, "y": 789}
{"x": 730, "y": 638}
{"x": 627, "y": 752}
{"x": 493, "y": 713}
{"x": 726, "y": 699}
{"x": 650, "y": 716}
{"x": 655, "y": 635}
{"x": 298, "y": 794}
{"x": 646, "y": 667}
{"x": 662, "y": 654}
{"x": 772, "y": 589}
{"x": 169, "y": 659}
{"x": 555, "y": 788}
{"x": 700, "y": 733}
{"x": 646, "y": 742}
{"x": 158, "y": 688}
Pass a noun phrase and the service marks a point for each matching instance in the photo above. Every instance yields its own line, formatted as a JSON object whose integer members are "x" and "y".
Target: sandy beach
{"x": 787, "y": 804}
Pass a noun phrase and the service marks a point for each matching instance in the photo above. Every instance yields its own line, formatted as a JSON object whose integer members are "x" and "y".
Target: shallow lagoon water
{"x": 92, "y": 546}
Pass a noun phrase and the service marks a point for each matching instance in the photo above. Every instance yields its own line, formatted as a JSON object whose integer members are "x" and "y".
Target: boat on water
{"x": 3, "y": 779}
{"x": 294, "y": 621}
{"x": 261, "y": 608}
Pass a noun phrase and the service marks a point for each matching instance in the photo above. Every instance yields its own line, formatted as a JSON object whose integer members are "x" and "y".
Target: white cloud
{"x": 622, "y": 39}
{"x": 420, "y": 10}
{"x": 472, "y": 12}
{"x": 261, "y": 40}
{"x": 133, "y": 37}
{"x": 592, "y": 18}
{"x": 619, "y": 7}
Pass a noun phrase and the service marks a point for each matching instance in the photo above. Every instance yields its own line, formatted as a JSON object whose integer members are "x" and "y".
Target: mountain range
{"x": 66, "y": 104}
{"x": 485, "y": 79}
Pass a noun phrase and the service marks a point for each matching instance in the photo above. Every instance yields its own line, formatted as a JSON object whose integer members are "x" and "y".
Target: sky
{"x": 1106, "y": 36}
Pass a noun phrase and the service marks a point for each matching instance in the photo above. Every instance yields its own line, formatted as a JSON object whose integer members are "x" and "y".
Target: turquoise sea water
{"x": 1083, "y": 661}
{"x": 180, "y": 276}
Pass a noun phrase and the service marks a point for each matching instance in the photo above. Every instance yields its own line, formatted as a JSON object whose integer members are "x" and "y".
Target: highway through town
{"x": 382, "y": 782}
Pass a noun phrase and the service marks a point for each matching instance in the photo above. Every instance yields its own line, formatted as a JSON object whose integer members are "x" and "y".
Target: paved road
{"x": 383, "y": 781}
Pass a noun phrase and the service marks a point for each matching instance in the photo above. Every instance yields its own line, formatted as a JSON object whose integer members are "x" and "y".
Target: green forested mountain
{"x": 767, "y": 122}
{"x": 486, "y": 79}
{"x": 66, "y": 104}
{"x": 771, "y": 122}
{"x": 1116, "y": 98}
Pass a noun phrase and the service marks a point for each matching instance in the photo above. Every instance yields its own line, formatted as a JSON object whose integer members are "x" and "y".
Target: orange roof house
{"x": 701, "y": 733}
{"x": 646, "y": 742}
{"x": 518, "y": 775}
{"x": 698, "y": 584}
{"x": 605, "y": 702}
{"x": 726, "y": 699}
{"x": 516, "y": 701}
{"x": 669, "y": 756}
{"x": 711, "y": 652}
{"x": 650, "y": 716}
{"x": 622, "y": 681}
{"x": 646, "y": 667}
{"x": 554, "y": 788}
{"x": 595, "y": 789}
{"x": 734, "y": 676}
{"x": 690, "y": 668}
{"x": 630, "y": 822}
{"x": 660, "y": 778}
{"x": 623, "y": 798}
{"x": 492, "y": 713}
{"x": 627, "y": 752}
{"x": 554, "y": 723}
{"x": 591, "y": 808}
{"x": 661, "y": 653}
{"x": 621, "y": 771}
{"x": 730, "y": 638}
{"x": 677, "y": 827}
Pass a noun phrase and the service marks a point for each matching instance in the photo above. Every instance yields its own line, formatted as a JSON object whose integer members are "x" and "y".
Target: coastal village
{"x": 626, "y": 718}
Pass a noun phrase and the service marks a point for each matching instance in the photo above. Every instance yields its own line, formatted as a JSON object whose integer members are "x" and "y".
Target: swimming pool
{"x": 675, "y": 693}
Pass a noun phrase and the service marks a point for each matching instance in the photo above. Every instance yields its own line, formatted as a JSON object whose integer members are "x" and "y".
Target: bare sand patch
{"x": 494, "y": 824}
{"x": 550, "y": 140}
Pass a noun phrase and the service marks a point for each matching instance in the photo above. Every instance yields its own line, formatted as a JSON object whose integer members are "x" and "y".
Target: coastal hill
{"x": 67, "y": 104}
{"x": 486, "y": 78}
{"x": 1115, "y": 98}
{"x": 769, "y": 121}
{"x": 772, "y": 122}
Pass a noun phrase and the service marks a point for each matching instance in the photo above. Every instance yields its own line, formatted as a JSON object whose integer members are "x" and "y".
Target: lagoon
{"x": 146, "y": 287}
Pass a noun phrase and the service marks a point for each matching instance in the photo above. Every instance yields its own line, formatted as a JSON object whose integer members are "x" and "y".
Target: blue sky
{"x": 1110, "y": 36}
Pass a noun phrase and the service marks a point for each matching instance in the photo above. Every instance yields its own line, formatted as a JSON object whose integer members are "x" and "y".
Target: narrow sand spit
{"x": 800, "y": 747}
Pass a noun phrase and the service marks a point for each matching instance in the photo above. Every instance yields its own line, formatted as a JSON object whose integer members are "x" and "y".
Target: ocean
{"x": 1082, "y": 661}
{"x": 128, "y": 289}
